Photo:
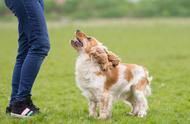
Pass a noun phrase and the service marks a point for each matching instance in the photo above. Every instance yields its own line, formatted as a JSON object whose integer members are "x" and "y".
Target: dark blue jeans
{"x": 33, "y": 45}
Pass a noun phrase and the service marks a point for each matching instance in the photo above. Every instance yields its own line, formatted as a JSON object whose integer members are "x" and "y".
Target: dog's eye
{"x": 89, "y": 38}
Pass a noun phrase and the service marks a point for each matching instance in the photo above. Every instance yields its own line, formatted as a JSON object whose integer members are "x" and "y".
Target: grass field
{"x": 163, "y": 46}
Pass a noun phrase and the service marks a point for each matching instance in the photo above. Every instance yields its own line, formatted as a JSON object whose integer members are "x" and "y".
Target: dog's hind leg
{"x": 141, "y": 105}
{"x": 138, "y": 102}
{"x": 137, "y": 98}
{"x": 131, "y": 101}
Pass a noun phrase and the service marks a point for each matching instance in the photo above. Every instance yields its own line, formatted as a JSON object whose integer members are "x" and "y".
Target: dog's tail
{"x": 147, "y": 91}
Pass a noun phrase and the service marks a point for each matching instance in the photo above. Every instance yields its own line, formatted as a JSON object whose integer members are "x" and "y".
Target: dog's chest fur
{"x": 87, "y": 79}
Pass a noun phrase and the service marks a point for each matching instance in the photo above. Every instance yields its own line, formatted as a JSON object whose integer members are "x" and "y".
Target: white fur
{"x": 87, "y": 80}
{"x": 92, "y": 86}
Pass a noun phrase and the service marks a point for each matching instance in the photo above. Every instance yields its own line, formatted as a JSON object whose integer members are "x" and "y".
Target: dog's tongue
{"x": 79, "y": 43}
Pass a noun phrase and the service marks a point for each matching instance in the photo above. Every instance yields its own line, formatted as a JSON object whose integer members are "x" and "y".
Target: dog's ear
{"x": 105, "y": 58}
{"x": 101, "y": 56}
{"x": 113, "y": 58}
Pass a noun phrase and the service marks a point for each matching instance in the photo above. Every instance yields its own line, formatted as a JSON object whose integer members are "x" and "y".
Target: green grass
{"x": 163, "y": 46}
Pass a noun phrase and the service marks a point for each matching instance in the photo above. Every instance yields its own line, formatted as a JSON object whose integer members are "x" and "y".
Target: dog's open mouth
{"x": 77, "y": 43}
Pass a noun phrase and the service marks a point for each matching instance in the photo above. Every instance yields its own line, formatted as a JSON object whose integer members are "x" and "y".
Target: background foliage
{"x": 113, "y": 8}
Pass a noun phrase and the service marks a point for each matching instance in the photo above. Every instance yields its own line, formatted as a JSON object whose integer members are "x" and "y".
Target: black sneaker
{"x": 23, "y": 109}
{"x": 8, "y": 109}
{"x": 32, "y": 106}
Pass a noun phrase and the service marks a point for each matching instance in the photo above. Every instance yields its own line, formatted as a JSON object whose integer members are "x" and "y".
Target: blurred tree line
{"x": 113, "y": 8}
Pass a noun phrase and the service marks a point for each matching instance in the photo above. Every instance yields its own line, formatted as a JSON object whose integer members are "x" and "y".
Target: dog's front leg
{"x": 92, "y": 108}
{"x": 105, "y": 105}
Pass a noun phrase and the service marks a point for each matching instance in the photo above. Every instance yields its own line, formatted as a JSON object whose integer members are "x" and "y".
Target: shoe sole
{"x": 18, "y": 116}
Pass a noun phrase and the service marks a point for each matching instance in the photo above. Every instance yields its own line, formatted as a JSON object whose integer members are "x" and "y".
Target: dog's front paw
{"x": 104, "y": 116}
{"x": 142, "y": 114}
{"x": 93, "y": 114}
{"x": 131, "y": 114}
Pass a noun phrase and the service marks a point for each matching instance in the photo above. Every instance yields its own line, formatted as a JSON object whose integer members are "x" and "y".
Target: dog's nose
{"x": 77, "y": 30}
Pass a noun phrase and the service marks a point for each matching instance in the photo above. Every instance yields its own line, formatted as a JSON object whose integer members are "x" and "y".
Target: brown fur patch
{"x": 112, "y": 76}
{"x": 141, "y": 84}
{"x": 100, "y": 73}
{"x": 91, "y": 43}
{"x": 99, "y": 54}
{"x": 106, "y": 59}
{"x": 80, "y": 35}
{"x": 128, "y": 72}
{"x": 113, "y": 58}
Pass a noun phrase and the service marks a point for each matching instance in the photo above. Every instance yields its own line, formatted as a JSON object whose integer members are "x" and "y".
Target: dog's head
{"x": 95, "y": 50}
{"x": 83, "y": 43}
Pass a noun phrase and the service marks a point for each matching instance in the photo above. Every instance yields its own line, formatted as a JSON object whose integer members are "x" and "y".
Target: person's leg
{"x": 23, "y": 44}
{"x": 28, "y": 75}
{"x": 42, "y": 3}
{"x": 34, "y": 26}
{"x": 22, "y": 52}
{"x": 39, "y": 47}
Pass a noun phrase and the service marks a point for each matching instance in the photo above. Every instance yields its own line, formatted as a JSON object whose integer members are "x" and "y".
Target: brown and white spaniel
{"x": 103, "y": 79}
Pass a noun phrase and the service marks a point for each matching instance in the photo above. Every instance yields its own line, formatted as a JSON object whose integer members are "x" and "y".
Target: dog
{"x": 103, "y": 79}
